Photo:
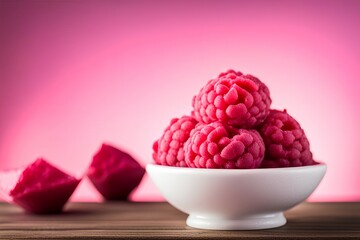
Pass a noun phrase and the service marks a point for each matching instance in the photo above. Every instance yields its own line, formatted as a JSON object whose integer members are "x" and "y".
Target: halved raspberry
{"x": 217, "y": 145}
{"x": 42, "y": 188}
{"x": 285, "y": 142}
{"x": 115, "y": 173}
{"x": 234, "y": 99}
{"x": 168, "y": 150}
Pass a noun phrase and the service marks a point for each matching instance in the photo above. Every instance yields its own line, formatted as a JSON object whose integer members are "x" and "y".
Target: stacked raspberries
{"x": 232, "y": 126}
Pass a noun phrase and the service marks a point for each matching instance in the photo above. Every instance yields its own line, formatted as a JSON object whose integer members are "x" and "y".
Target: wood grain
{"x": 126, "y": 220}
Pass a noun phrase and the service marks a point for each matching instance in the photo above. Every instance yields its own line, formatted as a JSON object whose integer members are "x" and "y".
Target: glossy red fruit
{"x": 114, "y": 173}
{"x": 43, "y": 188}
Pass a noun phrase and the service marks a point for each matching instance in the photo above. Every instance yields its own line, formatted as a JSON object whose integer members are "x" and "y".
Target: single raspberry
{"x": 115, "y": 173}
{"x": 233, "y": 98}
{"x": 217, "y": 145}
{"x": 168, "y": 150}
{"x": 285, "y": 142}
{"x": 43, "y": 188}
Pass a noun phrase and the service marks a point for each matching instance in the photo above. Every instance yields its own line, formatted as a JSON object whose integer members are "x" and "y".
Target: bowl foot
{"x": 252, "y": 222}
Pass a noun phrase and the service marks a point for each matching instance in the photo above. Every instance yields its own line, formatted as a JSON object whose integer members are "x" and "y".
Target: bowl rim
{"x": 320, "y": 165}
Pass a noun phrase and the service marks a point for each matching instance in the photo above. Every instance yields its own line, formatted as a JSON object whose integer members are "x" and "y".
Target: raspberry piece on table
{"x": 168, "y": 150}
{"x": 285, "y": 142}
{"x": 217, "y": 145}
{"x": 233, "y": 98}
{"x": 115, "y": 173}
{"x": 43, "y": 188}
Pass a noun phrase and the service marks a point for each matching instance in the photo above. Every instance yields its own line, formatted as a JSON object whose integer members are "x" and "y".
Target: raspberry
{"x": 115, "y": 173}
{"x": 217, "y": 145}
{"x": 285, "y": 142}
{"x": 168, "y": 150}
{"x": 234, "y": 99}
{"x": 43, "y": 188}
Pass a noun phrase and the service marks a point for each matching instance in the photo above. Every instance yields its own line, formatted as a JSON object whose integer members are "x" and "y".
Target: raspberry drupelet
{"x": 233, "y": 98}
{"x": 216, "y": 145}
{"x": 285, "y": 142}
{"x": 168, "y": 150}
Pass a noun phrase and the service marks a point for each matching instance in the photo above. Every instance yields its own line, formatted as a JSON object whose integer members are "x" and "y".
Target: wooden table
{"x": 126, "y": 220}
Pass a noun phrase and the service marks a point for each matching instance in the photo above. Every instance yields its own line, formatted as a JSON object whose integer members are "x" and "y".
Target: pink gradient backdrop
{"x": 74, "y": 74}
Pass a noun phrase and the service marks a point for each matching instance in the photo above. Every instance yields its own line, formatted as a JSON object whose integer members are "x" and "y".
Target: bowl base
{"x": 252, "y": 222}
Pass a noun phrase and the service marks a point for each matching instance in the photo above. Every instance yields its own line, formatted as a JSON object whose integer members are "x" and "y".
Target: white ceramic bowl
{"x": 235, "y": 199}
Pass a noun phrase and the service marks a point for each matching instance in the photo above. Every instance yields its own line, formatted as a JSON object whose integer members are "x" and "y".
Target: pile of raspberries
{"x": 232, "y": 126}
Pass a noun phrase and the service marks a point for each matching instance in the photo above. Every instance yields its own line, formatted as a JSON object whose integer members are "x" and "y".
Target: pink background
{"x": 74, "y": 74}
